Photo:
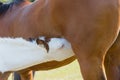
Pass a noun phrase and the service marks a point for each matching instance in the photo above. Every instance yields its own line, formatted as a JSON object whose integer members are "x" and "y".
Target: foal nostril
{"x": 46, "y": 46}
{"x": 38, "y": 41}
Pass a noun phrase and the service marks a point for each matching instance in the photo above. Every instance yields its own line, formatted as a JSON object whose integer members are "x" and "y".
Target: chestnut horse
{"x": 91, "y": 26}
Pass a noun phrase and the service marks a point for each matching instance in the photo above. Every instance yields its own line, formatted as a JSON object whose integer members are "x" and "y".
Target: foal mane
{"x": 5, "y": 6}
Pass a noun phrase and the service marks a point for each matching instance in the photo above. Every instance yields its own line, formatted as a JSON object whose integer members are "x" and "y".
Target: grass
{"x": 68, "y": 72}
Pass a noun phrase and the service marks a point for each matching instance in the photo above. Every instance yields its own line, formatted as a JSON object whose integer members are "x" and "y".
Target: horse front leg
{"x": 26, "y": 75}
{"x": 0, "y": 75}
{"x": 91, "y": 64}
{"x": 112, "y": 61}
{"x": 90, "y": 53}
{"x": 4, "y": 76}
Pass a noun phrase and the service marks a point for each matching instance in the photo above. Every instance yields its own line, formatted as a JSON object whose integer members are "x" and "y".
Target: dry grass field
{"x": 68, "y": 72}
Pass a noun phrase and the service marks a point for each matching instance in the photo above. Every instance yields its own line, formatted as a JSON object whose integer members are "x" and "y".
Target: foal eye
{"x": 38, "y": 41}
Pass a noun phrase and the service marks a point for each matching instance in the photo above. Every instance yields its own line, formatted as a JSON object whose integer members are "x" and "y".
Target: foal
{"x": 91, "y": 26}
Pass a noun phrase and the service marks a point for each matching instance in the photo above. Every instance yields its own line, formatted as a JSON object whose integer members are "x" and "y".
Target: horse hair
{"x": 5, "y": 6}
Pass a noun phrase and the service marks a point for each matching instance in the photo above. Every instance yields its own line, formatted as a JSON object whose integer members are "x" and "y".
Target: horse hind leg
{"x": 112, "y": 66}
{"x": 112, "y": 61}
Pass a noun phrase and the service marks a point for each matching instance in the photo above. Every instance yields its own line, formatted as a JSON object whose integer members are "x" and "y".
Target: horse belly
{"x": 17, "y": 54}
